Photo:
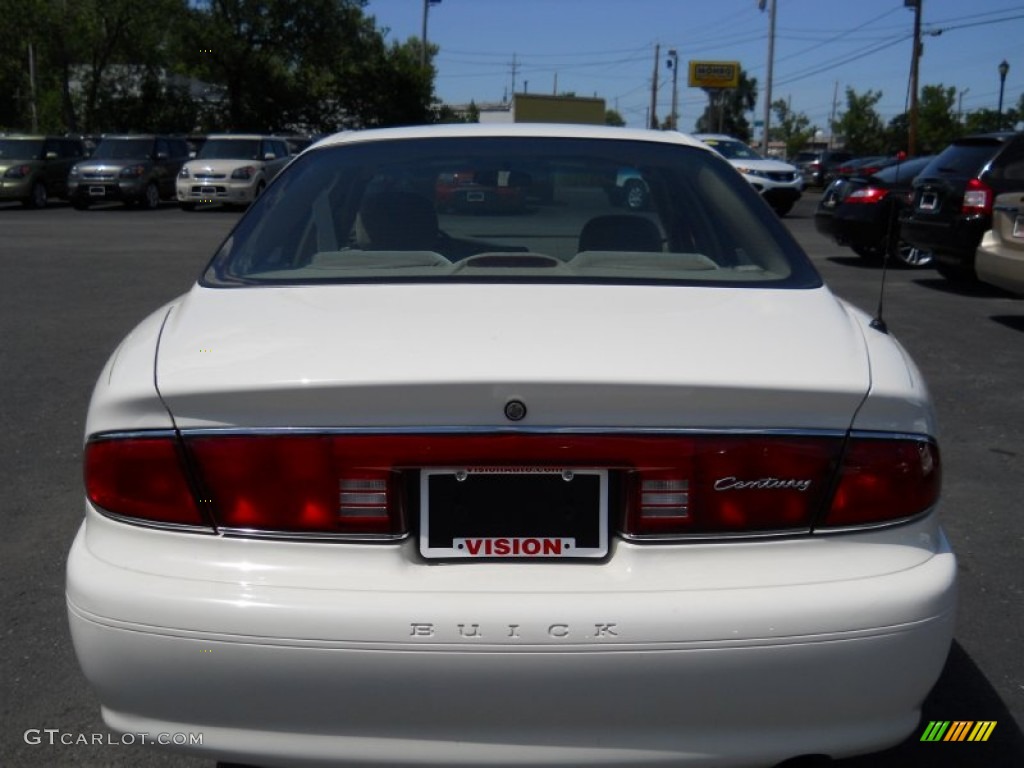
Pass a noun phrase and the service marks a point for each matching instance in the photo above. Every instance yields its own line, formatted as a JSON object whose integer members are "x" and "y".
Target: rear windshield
{"x": 966, "y": 158}
{"x": 903, "y": 172}
{"x": 510, "y": 210}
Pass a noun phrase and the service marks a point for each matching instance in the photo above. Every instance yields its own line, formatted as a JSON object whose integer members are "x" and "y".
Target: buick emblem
{"x": 515, "y": 410}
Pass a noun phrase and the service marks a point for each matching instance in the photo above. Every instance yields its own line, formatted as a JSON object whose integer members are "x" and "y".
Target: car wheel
{"x": 151, "y": 198}
{"x": 38, "y": 198}
{"x": 907, "y": 255}
{"x": 636, "y": 195}
{"x": 783, "y": 209}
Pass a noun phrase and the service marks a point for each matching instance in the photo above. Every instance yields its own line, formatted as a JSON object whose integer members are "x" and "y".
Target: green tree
{"x": 727, "y": 109}
{"x": 860, "y": 125}
{"x": 612, "y": 117}
{"x": 792, "y": 128}
{"x": 937, "y": 124}
{"x": 313, "y": 64}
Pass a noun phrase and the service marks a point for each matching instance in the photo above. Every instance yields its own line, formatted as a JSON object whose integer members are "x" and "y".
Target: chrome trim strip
{"x": 505, "y": 430}
{"x": 143, "y": 523}
{"x": 362, "y": 538}
{"x": 823, "y": 530}
{"x": 633, "y": 538}
{"x": 137, "y": 433}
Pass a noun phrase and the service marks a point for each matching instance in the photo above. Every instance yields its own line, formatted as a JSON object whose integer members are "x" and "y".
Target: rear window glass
{"x": 903, "y": 172}
{"x": 963, "y": 158}
{"x": 510, "y": 210}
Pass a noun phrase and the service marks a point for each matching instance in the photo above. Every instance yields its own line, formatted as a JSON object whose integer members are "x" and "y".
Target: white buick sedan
{"x": 552, "y": 484}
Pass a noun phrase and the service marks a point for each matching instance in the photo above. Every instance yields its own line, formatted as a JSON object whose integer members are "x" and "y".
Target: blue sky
{"x": 606, "y": 47}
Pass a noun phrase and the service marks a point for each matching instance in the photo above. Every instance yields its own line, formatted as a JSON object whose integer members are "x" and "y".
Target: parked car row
{"x": 140, "y": 170}
{"x": 960, "y": 211}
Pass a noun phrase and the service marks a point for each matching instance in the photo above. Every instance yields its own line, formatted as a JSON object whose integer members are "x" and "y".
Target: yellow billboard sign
{"x": 714, "y": 74}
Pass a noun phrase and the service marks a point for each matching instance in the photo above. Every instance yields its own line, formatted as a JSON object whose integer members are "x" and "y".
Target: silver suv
{"x": 135, "y": 170}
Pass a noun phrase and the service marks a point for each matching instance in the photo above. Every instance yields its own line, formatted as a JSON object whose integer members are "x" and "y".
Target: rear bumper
{"x": 718, "y": 655}
{"x": 1000, "y": 265}
{"x": 951, "y": 242}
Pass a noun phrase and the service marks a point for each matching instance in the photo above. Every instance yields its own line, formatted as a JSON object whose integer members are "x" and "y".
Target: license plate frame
{"x": 520, "y": 513}
{"x": 929, "y": 202}
{"x": 97, "y": 191}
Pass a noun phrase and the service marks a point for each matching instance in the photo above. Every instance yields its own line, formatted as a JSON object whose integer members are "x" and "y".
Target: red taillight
{"x": 731, "y": 485}
{"x": 668, "y": 485}
{"x": 867, "y": 195}
{"x": 978, "y": 199}
{"x": 142, "y": 478}
{"x": 299, "y": 484}
{"x": 883, "y": 480}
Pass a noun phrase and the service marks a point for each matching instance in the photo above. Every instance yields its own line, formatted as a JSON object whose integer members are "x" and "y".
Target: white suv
{"x": 231, "y": 169}
{"x": 779, "y": 183}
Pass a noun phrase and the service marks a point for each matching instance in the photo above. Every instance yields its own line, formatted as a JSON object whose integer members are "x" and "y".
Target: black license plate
{"x": 513, "y": 512}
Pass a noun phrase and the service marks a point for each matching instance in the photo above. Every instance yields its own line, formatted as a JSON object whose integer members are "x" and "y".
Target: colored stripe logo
{"x": 958, "y": 730}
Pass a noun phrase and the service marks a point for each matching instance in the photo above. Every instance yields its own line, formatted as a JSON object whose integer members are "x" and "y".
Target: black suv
{"x": 136, "y": 170}
{"x": 953, "y": 197}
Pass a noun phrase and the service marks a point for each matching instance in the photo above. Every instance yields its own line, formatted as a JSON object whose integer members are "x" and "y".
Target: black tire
{"x": 636, "y": 194}
{"x": 905, "y": 255}
{"x": 782, "y": 209}
{"x": 150, "y": 199}
{"x": 38, "y": 197}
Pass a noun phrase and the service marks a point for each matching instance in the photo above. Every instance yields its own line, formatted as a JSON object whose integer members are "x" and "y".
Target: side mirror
{"x": 270, "y": 156}
{"x": 50, "y": 156}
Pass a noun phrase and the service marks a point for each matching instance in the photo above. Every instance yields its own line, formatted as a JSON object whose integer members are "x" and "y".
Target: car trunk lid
{"x": 453, "y": 355}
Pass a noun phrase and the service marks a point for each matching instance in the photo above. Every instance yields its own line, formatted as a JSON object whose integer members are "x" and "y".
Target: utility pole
{"x": 771, "y": 63}
{"x": 832, "y": 118}
{"x": 423, "y": 34}
{"x": 673, "y": 64}
{"x": 914, "y": 59}
{"x": 32, "y": 87}
{"x": 515, "y": 69}
{"x": 654, "y": 88}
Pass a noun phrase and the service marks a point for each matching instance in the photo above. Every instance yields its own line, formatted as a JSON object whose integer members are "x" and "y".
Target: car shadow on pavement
{"x": 976, "y": 289}
{"x": 962, "y": 694}
{"x": 1013, "y": 322}
{"x": 855, "y": 261}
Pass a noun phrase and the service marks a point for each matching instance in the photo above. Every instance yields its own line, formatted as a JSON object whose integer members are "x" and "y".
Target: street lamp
{"x": 1004, "y": 68}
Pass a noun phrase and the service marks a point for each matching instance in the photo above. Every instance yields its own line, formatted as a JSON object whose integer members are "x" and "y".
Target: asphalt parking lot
{"x": 75, "y": 282}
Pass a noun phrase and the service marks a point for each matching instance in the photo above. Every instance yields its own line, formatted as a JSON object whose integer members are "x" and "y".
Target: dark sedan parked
{"x": 954, "y": 195}
{"x": 864, "y": 212}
